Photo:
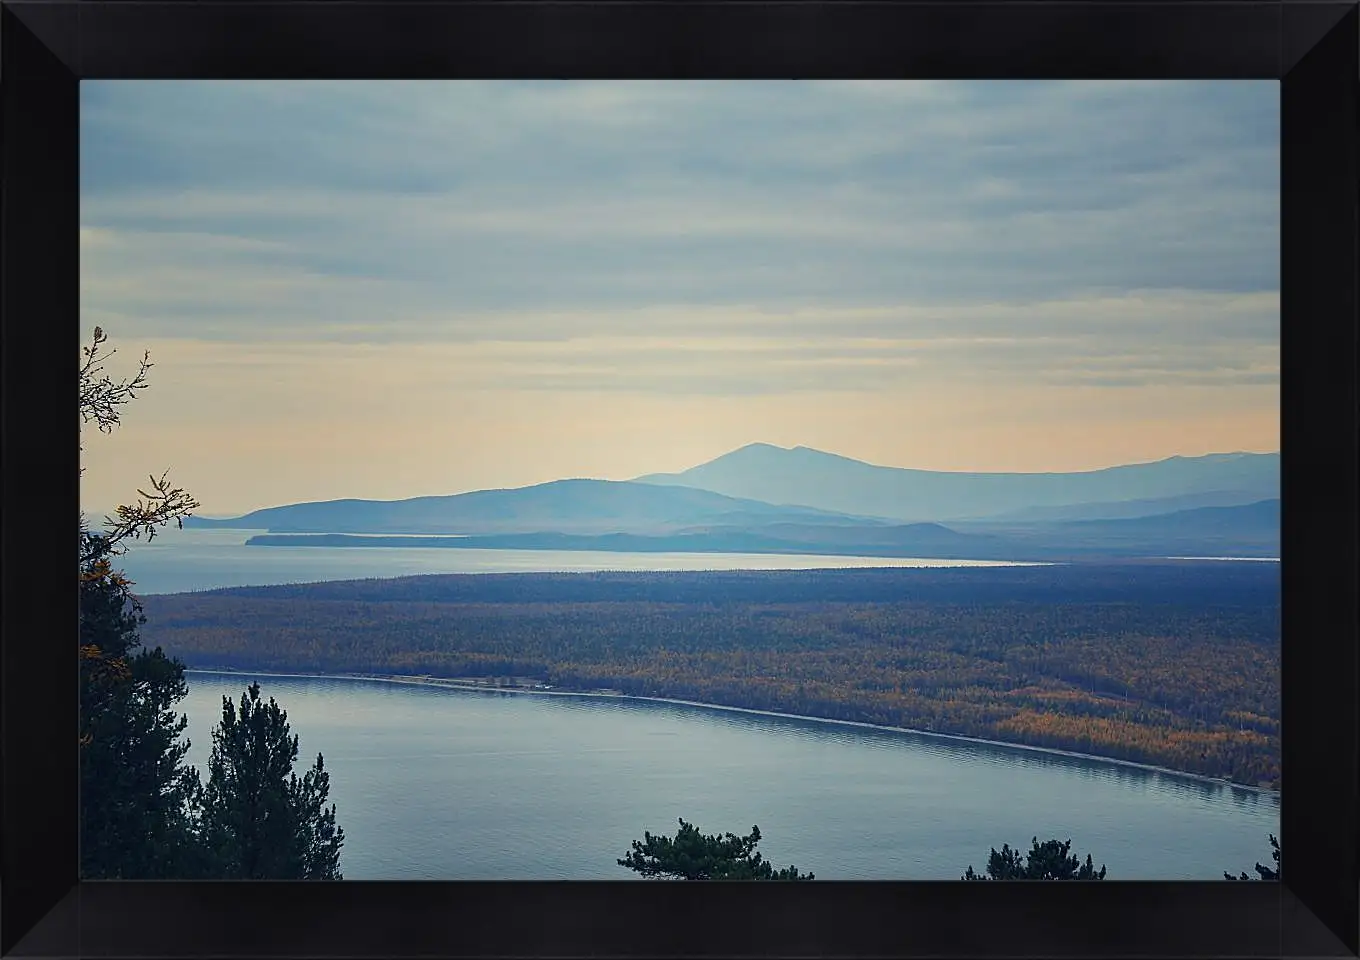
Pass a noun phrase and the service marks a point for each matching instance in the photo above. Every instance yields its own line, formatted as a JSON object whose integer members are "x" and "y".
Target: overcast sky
{"x": 398, "y": 289}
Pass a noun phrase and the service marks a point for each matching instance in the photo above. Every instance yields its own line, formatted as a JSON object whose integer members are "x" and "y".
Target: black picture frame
{"x": 47, "y": 46}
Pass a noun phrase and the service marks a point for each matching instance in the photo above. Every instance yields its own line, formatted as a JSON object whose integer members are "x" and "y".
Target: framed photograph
{"x": 522, "y": 451}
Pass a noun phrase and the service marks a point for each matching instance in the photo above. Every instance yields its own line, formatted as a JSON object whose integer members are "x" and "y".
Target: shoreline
{"x": 1047, "y": 556}
{"x": 456, "y": 684}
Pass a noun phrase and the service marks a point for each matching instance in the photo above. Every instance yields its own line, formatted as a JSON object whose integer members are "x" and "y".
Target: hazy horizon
{"x": 757, "y": 443}
{"x": 384, "y": 290}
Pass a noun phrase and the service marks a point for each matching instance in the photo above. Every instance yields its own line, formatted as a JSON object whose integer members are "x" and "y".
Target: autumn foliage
{"x": 1176, "y": 666}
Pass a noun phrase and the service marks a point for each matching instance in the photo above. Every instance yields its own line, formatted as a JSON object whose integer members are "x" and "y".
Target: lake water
{"x": 438, "y": 784}
{"x": 177, "y": 561}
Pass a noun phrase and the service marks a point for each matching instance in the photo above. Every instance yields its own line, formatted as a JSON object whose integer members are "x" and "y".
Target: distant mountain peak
{"x": 805, "y": 476}
{"x": 773, "y": 449}
{"x": 813, "y": 452}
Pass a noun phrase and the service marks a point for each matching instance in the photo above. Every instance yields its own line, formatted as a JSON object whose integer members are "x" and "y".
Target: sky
{"x": 395, "y": 289}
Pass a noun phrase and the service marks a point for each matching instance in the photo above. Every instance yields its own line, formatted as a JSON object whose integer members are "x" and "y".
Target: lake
{"x": 177, "y": 561}
{"x": 439, "y": 784}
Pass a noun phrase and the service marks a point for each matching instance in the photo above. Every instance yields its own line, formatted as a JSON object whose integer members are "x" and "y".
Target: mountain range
{"x": 810, "y": 477}
{"x": 560, "y": 506}
{"x": 766, "y": 499}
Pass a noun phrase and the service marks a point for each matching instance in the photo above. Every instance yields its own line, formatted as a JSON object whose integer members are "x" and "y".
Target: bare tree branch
{"x": 100, "y": 395}
{"x": 100, "y": 400}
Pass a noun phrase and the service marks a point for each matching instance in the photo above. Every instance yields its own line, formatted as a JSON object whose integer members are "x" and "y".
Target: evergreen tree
{"x": 134, "y": 786}
{"x": 135, "y": 790}
{"x": 693, "y": 856}
{"x": 1050, "y": 860}
{"x": 143, "y": 813}
{"x": 1263, "y": 872}
{"x": 259, "y": 820}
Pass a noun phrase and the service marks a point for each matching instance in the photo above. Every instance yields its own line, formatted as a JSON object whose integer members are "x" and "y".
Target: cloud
{"x": 741, "y": 261}
{"x": 1144, "y": 339}
{"x": 545, "y": 195}
{"x": 179, "y": 285}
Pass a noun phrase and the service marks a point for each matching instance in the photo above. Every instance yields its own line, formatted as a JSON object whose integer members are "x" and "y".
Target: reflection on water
{"x": 955, "y": 749}
{"x": 179, "y": 561}
{"x": 434, "y": 783}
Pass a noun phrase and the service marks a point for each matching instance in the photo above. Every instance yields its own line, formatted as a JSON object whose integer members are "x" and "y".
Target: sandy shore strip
{"x": 474, "y": 687}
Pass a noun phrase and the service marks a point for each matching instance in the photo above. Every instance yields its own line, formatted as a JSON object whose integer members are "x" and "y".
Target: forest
{"x": 1171, "y": 664}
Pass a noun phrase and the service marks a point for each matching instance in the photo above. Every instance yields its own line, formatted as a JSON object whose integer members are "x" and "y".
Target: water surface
{"x": 177, "y": 561}
{"x": 438, "y": 784}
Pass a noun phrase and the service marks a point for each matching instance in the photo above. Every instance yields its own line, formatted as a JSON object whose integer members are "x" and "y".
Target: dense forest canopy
{"x": 1176, "y": 665}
